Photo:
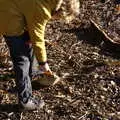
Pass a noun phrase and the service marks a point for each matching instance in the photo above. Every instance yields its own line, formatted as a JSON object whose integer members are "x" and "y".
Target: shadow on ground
{"x": 10, "y": 112}
{"x": 91, "y": 35}
{"x": 9, "y": 107}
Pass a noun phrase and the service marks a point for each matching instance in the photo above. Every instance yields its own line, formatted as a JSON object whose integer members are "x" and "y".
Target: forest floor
{"x": 90, "y": 72}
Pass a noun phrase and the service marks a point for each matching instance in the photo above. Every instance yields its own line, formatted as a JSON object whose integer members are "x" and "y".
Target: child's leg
{"x": 21, "y": 53}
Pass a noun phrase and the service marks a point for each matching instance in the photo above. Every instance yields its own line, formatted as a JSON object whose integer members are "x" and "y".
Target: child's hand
{"x": 45, "y": 69}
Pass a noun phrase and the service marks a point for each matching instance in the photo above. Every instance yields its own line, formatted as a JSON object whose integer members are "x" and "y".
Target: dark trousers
{"x": 22, "y": 57}
{"x": 117, "y": 1}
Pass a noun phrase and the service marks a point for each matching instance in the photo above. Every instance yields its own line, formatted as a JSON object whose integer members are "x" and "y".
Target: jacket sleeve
{"x": 37, "y": 31}
{"x": 38, "y": 42}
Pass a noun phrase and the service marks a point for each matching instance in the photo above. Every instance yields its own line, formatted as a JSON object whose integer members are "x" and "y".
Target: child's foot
{"x": 32, "y": 104}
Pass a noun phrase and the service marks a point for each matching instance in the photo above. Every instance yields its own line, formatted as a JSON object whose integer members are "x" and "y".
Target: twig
{"x": 82, "y": 116}
{"x": 57, "y": 47}
{"x": 104, "y": 33}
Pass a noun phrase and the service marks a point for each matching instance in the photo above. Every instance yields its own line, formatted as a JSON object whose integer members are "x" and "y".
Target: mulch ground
{"x": 90, "y": 71}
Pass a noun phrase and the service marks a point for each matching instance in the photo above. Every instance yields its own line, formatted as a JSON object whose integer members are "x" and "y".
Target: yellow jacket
{"x": 33, "y": 15}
